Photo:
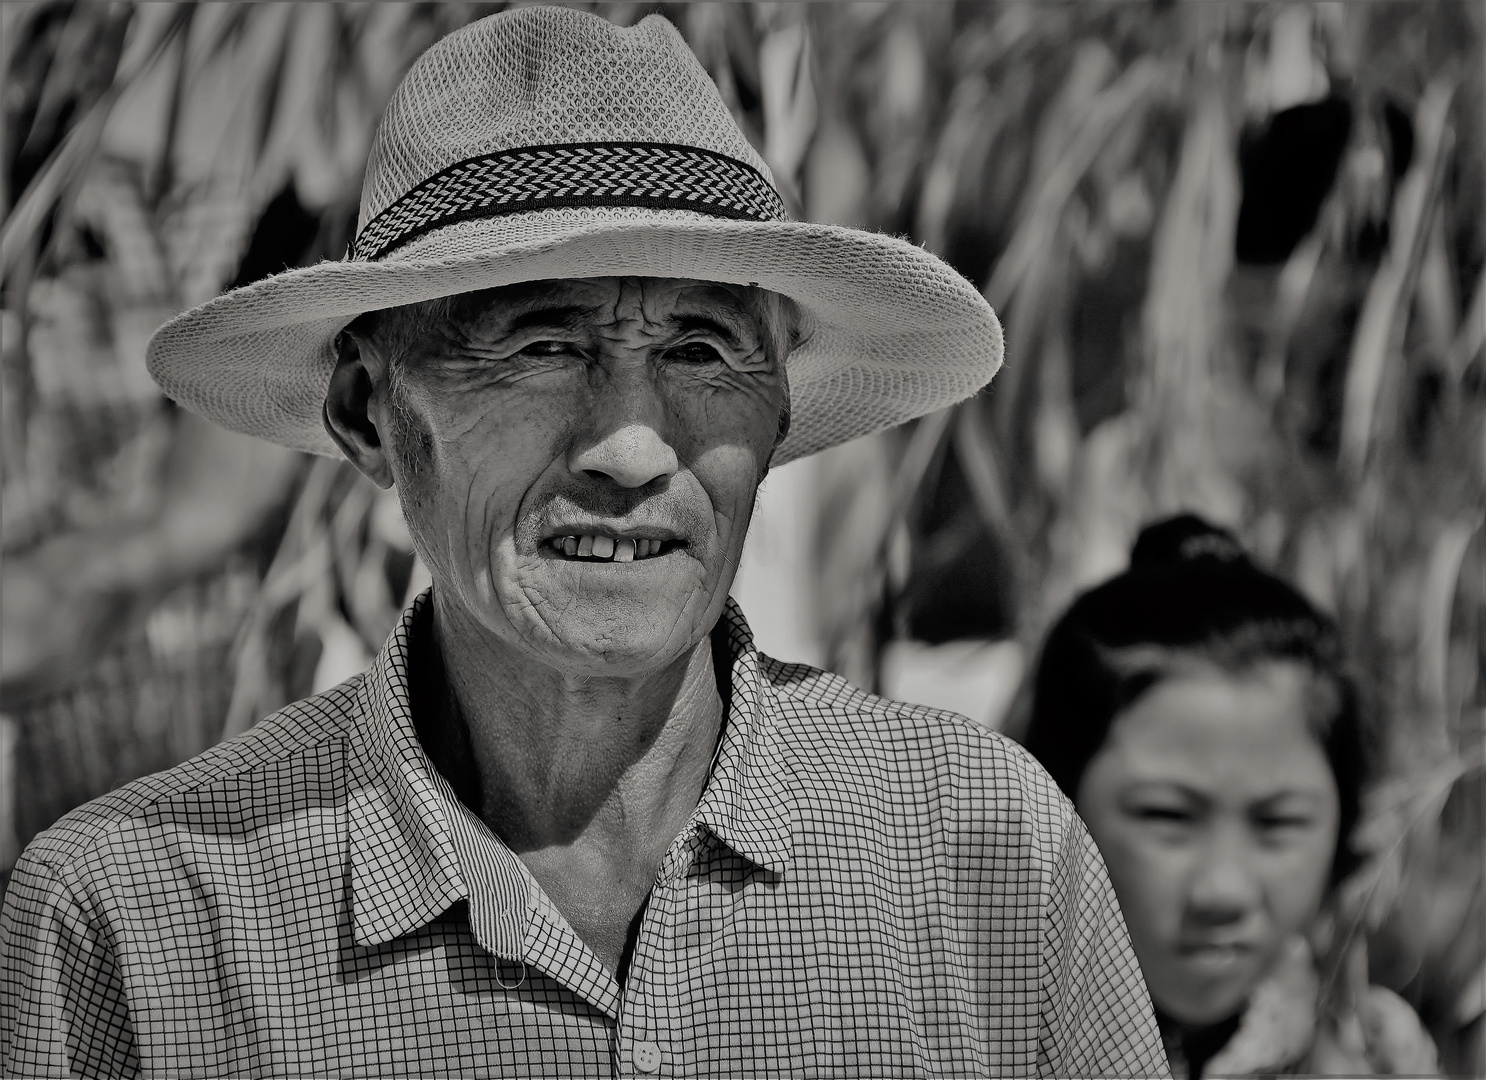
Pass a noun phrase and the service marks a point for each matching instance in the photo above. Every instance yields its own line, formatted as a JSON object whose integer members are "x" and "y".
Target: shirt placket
{"x": 649, "y": 1040}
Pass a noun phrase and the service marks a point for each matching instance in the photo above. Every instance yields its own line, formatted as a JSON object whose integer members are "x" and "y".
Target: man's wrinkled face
{"x": 578, "y": 460}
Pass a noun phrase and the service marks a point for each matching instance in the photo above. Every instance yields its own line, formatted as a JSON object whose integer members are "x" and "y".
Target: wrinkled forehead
{"x": 576, "y": 302}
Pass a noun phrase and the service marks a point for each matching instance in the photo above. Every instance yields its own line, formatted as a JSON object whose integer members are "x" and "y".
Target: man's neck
{"x": 586, "y": 779}
{"x": 548, "y": 758}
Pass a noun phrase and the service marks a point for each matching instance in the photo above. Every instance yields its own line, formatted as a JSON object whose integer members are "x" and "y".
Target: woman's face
{"x": 1216, "y": 812}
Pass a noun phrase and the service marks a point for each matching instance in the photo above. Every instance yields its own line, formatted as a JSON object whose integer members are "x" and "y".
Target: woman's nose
{"x": 1223, "y": 885}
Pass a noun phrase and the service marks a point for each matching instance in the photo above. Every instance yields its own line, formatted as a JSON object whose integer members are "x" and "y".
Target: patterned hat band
{"x": 608, "y": 174}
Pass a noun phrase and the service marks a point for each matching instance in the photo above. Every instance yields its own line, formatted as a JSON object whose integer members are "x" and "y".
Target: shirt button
{"x": 646, "y": 1056}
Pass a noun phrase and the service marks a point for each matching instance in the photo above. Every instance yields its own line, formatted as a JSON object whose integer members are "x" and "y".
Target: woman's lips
{"x": 1215, "y": 957}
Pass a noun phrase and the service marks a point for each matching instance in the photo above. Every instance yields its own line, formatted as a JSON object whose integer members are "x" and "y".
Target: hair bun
{"x": 1185, "y": 538}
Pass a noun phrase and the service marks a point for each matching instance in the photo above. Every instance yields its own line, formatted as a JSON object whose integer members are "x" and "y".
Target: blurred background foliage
{"x": 1237, "y": 249}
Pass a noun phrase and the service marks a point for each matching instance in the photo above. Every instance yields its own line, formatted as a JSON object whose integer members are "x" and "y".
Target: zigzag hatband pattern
{"x": 653, "y": 175}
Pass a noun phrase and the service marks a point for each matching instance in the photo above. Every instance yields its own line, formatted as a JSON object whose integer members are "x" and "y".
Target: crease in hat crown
{"x": 542, "y": 77}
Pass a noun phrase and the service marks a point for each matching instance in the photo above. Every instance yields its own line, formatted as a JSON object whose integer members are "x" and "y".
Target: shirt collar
{"x": 748, "y": 803}
{"x": 405, "y": 863}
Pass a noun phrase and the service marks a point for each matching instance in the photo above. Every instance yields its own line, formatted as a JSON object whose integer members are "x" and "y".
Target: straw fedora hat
{"x": 549, "y": 143}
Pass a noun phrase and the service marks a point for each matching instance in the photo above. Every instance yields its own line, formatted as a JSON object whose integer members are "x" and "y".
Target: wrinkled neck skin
{"x": 610, "y": 764}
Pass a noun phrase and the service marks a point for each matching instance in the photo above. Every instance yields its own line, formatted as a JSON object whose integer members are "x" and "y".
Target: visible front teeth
{"x": 606, "y": 547}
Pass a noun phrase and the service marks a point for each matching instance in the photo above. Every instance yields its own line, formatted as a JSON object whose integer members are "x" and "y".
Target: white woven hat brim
{"x": 897, "y": 332}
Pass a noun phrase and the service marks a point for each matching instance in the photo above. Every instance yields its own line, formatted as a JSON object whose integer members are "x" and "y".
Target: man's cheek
{"x": 746, "y": 422}
{"x": 726, "y": 468}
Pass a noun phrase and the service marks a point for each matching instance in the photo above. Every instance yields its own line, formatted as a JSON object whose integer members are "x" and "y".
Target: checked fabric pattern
{"x": 865, "y": 889}
{"x": 653, "y": 175}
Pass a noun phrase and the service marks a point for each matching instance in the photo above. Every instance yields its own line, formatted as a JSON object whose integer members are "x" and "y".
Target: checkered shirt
{"x": 865, "y": 888}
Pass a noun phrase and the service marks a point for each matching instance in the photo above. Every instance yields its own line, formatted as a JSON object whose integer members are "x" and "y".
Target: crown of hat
{"x": 540, "y": 77}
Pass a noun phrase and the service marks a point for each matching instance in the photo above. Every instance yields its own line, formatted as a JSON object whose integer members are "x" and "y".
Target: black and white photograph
{"x": 864, "y": 538}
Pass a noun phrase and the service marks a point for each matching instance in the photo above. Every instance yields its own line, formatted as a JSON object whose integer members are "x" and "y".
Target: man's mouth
{"x": 597, "y": 547}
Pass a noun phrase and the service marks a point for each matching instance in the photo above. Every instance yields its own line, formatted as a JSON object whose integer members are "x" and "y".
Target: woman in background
{"x": 1197, "y": 712}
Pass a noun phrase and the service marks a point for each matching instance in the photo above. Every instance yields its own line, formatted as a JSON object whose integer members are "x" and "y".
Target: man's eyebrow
{"x": 733, "y": 328}
{"x": 561, "y": 316}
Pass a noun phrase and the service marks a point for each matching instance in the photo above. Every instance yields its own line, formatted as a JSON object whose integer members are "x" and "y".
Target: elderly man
{"x": 571, "y": 821}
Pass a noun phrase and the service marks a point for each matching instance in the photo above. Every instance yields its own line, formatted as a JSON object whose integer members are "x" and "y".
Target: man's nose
{"x": 632, "y": 456}
{"x": 626, "y": 441}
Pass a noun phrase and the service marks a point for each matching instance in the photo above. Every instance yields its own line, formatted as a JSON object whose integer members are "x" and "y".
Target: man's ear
{"x": 347, "y": 412}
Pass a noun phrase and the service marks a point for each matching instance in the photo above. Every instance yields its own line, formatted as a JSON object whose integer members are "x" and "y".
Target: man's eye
{"x": 548, "y": 348}
{"x": 694, "y": 352}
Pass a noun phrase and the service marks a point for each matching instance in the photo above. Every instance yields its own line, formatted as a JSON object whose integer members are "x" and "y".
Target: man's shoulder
{"x": 289, "y": 735}
{"x": 915, "y": 748}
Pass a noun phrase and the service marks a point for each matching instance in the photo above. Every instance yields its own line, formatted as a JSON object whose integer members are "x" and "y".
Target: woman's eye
{"x": 1273, "y": 822}
{"x": 694, "y": 352}
{"x": 1164, "y": 814}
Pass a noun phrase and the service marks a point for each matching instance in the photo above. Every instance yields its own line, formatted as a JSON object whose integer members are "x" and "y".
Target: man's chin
{"x": 619, "y": 632}
{"x": 601, "y": 656}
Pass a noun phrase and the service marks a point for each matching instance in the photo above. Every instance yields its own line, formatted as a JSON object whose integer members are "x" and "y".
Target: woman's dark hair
{"x": 1190, "y": 593}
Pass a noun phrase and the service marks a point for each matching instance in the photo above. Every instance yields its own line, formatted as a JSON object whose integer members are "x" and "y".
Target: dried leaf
{"x": 978, "y": 460}
{"x": 1137, "y": 85}
{"x": 1182, "y": 316}
{"x": 1291, "y": 290}
{"x": 1471, "y": 336}
{"x": 1055, "y": 434}
{"x": 306, "y": 100}
{"x": 82, "y": 67}
{"x": 1435, "y": 289}
{"x": 1436, "y": 602}
{"x": 1024, "y": 269}
{"x": 789, "y": 101}
{"x": 896, "y": 117}
{"x": 855, "y": 495}
{"x": 838, "y": 177}
{"x": 301, "y": 560}
{"x": 1380, "y": 327}
{"x": 968, "y": 106}
{"x": 67, "y": 165}
{"x": 1094, "y": 65}
{"x": 1091, "y": 537}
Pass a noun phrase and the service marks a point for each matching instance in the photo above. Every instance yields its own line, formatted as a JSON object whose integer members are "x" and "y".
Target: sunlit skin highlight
{"x": 1216, "y": 812}
{"x": 632, "y": 408}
